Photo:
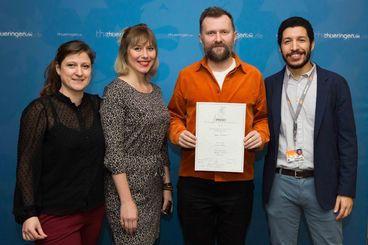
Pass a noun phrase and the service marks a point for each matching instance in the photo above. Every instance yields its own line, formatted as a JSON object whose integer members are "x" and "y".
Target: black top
{"x": 60, "y": 157}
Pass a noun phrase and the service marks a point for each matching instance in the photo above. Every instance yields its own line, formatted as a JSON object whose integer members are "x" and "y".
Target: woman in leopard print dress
{"x": 135, "y": 120}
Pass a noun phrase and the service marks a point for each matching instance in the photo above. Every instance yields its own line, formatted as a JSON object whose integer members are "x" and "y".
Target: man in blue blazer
{"x": 311, "y": 162}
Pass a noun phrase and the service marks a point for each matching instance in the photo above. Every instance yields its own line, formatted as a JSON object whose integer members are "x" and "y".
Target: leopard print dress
{"x": 135, "y": 126}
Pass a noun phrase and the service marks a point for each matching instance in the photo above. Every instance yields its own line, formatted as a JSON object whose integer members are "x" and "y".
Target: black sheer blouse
{"x": 60, "y": 157}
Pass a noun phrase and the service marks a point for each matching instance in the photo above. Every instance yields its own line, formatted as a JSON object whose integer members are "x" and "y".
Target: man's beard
{"x": 305, "y": 61}
{"x": 218, "y": 57}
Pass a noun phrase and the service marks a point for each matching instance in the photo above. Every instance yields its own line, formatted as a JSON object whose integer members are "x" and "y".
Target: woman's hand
{"x": 129, "y": 216}
{"x": 167, "y": 207}
{"x": 32, "y": 230}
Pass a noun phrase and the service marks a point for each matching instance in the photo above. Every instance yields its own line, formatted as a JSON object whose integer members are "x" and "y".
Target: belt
{"x": 295, "y": 173}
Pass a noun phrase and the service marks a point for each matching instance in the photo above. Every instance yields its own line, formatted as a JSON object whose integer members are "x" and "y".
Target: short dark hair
{"x": 214, "y": 12}
{"x": 294, "y": 22}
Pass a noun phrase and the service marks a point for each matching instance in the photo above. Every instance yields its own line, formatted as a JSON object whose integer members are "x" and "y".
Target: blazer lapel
{"x": 276, "y": 103}
{"x": 322, "y": 95}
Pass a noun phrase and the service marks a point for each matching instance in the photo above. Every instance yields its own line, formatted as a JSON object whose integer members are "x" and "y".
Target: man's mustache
{"x": 219, "y": 44}
{"x": 296, "y": 52}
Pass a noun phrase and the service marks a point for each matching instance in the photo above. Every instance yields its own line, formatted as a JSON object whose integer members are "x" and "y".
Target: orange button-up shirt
{"x": 196, "y": 83}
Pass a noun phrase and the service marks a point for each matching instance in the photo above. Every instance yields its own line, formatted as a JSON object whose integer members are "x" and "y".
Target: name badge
{"x": 294, "y": 155}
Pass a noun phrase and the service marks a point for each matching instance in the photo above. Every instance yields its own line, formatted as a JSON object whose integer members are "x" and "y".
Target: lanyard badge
{"x": 296, "y": 154}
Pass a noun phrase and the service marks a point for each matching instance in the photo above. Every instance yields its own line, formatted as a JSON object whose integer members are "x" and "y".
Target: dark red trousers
{"x": 77, "y": 229}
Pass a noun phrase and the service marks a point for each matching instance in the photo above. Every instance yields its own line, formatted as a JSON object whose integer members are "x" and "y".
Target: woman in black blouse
{"x": 59, "y": 188}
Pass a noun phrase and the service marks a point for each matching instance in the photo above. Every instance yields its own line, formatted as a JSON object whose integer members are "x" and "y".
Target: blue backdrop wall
{"x": 30, "y": 32}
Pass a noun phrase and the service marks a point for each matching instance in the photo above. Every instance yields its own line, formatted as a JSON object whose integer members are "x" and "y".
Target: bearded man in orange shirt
{"x": 215, "y": 207}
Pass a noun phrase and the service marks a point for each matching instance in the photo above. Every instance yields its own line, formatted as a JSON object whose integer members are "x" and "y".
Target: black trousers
{"x": 214, "y": 212}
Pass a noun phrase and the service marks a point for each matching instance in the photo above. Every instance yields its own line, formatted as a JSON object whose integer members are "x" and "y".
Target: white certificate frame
{"x": 220, "y": 134}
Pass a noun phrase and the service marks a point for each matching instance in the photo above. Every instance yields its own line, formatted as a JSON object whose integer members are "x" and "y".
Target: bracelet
{"x": 167, "y": 186}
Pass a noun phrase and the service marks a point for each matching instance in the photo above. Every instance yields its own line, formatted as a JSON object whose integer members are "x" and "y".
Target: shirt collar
{"x": 203, "y": 63}
{"x": 67, "y": 100}
{"x": 308, "y": 74}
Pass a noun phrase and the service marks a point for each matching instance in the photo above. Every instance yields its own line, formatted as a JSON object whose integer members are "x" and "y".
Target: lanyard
{"x": 295, "y": 114}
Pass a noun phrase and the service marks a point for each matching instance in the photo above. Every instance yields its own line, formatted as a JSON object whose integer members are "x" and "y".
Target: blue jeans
{"x": 291, "y": 197}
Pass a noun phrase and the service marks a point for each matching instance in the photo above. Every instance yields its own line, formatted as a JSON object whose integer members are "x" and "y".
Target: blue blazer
{"x": 335, "y": 141}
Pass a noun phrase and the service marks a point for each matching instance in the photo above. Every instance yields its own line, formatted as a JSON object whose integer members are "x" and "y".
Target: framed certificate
{"x": 220, "y": 137}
